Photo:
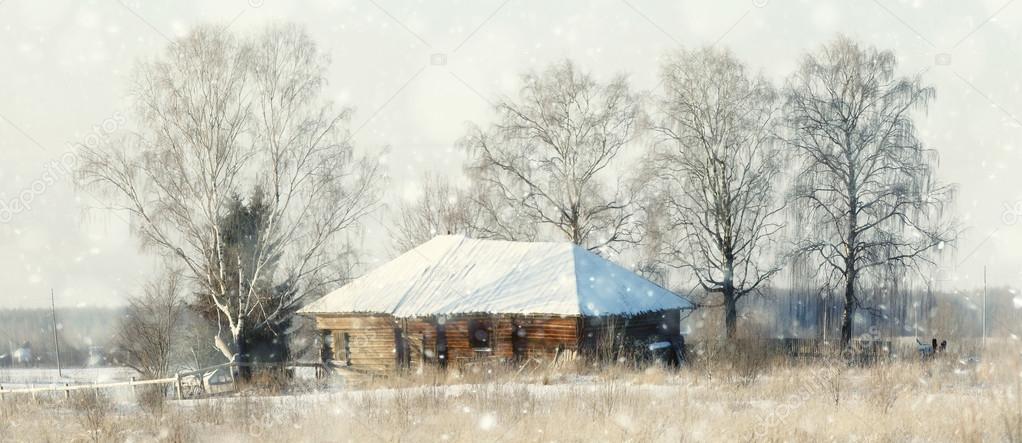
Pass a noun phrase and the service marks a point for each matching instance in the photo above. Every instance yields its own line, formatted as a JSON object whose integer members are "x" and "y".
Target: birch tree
{"x": 552, "y": 158}
{"x": 866, "y": 185}
{"x": 442, "y": 208}
{"x": 219, "y": 116}
{"x": 717, "y": 167}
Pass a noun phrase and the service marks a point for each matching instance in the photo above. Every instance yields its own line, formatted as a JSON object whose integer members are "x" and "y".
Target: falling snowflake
{"x": 487, "y": 422}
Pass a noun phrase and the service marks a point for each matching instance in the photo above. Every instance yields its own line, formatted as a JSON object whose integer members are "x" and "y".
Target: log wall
{"x": 543, "y": 336}
{"x": 371, "y": 343}
{"x": 380, "y": 343}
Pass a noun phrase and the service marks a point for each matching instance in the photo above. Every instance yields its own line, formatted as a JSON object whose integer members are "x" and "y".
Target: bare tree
{"x": 222, "y": 116}
{"x": 442, "y": 208}
{"x": 146, "y": 336}
{"x": 866, "y": 187}
{"x": 652, "y": 255}
{"x": 549, "y": 158}
{"x": 717, "y": 173}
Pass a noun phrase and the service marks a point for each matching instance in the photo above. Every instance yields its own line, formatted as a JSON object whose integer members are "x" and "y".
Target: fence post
{"x": 1, "y": 392}
{"x": 177, "y": 384}
{"x": 32, "y": 387}
{"x": 132, "y": 384}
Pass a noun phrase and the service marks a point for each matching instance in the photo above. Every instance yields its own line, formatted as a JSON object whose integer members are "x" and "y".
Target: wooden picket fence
{"x": 182, "y": 382}
{"x": 810, "y": 349}
{"x": 805, "y": 350}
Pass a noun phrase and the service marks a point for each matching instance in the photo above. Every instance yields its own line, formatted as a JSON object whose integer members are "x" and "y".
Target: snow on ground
{"x": 13, "y": 378}
{"x": 538, "y": 390}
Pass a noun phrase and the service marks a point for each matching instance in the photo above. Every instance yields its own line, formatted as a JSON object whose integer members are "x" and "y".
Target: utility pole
{"x": 56, "y": 340}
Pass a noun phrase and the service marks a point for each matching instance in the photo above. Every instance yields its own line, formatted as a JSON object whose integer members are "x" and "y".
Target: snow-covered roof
{"x": 453, "y": 274}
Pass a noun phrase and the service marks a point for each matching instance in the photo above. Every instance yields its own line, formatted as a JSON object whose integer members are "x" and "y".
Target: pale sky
{"x": 64, "y": 67}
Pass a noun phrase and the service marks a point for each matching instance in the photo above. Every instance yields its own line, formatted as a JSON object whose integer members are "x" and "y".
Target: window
{"x": 327, "y": 351}
{"x": 479, "y": 334}
{"x": 340, "y": 347}
{"x": 401, "y": 348}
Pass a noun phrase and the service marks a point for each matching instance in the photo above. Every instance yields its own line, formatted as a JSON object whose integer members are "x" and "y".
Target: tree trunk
{"x": 242, "y": 357}
{"x": 851, "y": 243}
{"x": 848, "y": 314}
{"x": 730, "y": 314}
{"x": 730, "y": 302}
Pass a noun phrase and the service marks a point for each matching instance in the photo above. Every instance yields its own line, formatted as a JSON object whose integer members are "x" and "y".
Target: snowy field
{"x": 12, "y": 378}
{"x": 940, "y": 400}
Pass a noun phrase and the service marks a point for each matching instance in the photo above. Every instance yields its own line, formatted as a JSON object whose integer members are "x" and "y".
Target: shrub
{"x": 93, "y": 411}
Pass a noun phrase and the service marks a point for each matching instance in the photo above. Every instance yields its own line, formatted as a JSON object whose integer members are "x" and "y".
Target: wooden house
{"x": 454, "y": 299}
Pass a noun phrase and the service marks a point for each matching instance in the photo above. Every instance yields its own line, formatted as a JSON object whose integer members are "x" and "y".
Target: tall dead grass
{"x": 724, "y": 395}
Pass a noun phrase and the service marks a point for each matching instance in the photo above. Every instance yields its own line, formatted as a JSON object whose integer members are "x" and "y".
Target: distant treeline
{"x": 78, "y": 329}
{"x": 781, "y": 313}
{"x": 905, "y": 313}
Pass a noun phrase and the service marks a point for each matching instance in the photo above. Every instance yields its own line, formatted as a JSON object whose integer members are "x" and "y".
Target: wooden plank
{"x": 354, "y": 322}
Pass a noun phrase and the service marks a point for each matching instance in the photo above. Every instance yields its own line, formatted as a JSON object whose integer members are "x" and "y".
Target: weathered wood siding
{"x": 370, "y": 340}
{"x": 380, "y": 343}
{"x": 421, "y": 339}
{"x": 543, "y": 336}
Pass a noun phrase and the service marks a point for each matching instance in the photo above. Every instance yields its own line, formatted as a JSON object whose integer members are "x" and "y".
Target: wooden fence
{"x": 804, "y": 349}
{"x": 182, "y": 382}
{"x": 193, "y": 383}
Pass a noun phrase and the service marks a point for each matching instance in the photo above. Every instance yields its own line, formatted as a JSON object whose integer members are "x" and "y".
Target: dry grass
{"x": 93, "y": 411}
{"x": 721, "y": 397}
